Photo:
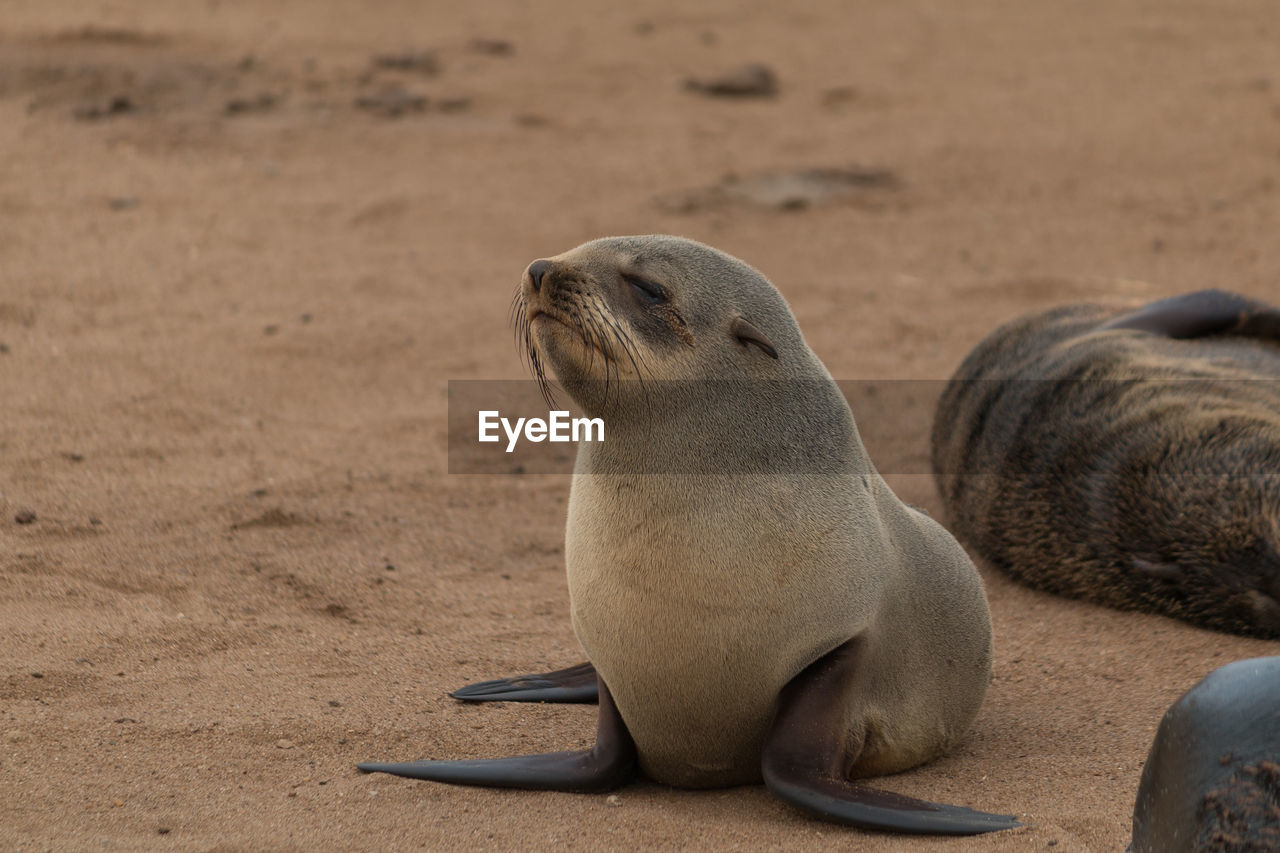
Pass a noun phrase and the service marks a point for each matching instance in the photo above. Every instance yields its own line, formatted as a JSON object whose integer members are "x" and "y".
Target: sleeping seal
{"x": 1127, "y": 457}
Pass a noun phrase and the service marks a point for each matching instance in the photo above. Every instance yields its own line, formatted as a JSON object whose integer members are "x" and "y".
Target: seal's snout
{"x": 536, "y": 271}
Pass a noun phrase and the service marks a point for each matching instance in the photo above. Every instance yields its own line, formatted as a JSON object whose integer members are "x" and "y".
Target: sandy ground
{"x": 240, "y": 259}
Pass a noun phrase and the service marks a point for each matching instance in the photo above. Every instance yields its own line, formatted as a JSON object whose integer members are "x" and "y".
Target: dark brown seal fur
{"x": 1127, "y": 457}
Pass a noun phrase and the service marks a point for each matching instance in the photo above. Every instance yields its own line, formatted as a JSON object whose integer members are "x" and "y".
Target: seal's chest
{"x": 695, "y": 738}
{"x": 696, "y": 697}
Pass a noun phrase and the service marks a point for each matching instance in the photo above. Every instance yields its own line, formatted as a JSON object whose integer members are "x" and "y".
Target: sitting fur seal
{"x": 1126, "y": 457}
{"x": 1212, "y": 779}
{"x": 755, "y": 602}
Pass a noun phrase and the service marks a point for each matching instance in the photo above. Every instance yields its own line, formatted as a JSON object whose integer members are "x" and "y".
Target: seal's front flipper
{"x": 575, "y": 684}
{"x": 807, "y": 752}
{"x": 609, "y": 764}
{"x": 1203, "y": 313}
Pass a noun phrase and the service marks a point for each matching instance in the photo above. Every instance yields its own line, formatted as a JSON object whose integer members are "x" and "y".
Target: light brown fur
{"x": 731, "y": 530}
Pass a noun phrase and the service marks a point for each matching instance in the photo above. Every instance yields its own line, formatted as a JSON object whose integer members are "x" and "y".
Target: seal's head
{"x": 621, "y": 312}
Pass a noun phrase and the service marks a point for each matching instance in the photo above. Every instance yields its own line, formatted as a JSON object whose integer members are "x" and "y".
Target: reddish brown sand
{"x": 231, "y": 298}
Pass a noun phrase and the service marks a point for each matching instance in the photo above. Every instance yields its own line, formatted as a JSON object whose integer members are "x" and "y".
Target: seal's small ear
{"x": 749, "y": 334}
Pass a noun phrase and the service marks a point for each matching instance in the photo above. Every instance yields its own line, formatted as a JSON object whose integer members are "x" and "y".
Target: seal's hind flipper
{"x": 576, "y": 684}
{"x": 808, "y": 751}
{"x": 609, "y": 764}
{"x": 583, "y": 772}
{"x": 1201, "y": 314}
{"x": 841, "y": 801}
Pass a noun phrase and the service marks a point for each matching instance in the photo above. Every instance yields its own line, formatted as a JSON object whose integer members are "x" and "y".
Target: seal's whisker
{"x": 544, "y": 387}
{"x": 590, "y": 337}
{"x": 606, "y": 325}
{"x": 633, "y": 355}
{"x": 628, "y": 347}
{"x": 517, "y": 303}
{"x": 520, "y": 329}
{"x": 535, "y": 364}
{"x": 611, "y": 331}
{"x": 596, "y": 320}
{"x": 594, "y": 338}
{"x": 517, "y": 317}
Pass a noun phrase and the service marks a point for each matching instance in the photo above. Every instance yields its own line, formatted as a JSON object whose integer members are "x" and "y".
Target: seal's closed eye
{"x": 647, "y": 290}
{"x": 749, "y": 334}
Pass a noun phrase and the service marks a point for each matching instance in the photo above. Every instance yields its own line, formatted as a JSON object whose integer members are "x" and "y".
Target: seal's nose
{"x": 537, "y": 270}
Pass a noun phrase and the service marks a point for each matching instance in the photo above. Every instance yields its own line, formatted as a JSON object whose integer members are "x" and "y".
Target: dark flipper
{"x": 609, "y": 764}
{"x": 575, "y": 684}
{"x": 1203, "y": 313}
{"x": 808, "y": 750}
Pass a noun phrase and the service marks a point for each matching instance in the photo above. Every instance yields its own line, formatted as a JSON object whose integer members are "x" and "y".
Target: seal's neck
{"x": 729, "y": 427}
